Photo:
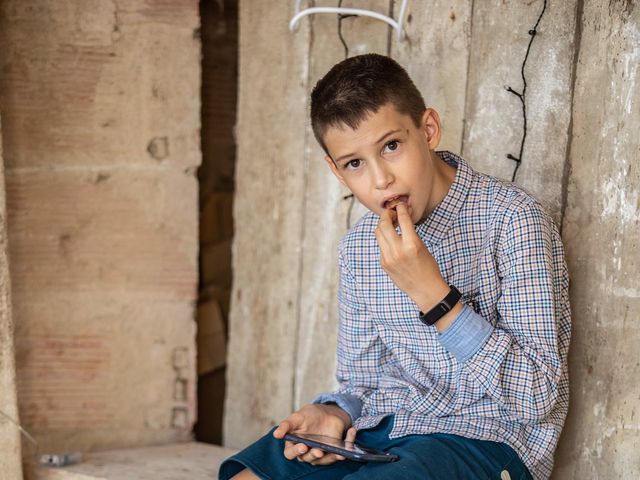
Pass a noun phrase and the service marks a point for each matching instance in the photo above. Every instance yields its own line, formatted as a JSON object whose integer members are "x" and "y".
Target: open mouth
{"x": 393, "y": 202}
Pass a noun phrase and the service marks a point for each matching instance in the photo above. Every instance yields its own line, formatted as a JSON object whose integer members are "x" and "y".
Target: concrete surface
{"x": 10, "y": 459}
{"x": 266, "y": 263}
{"x": 493, "y": 117}
{"x": 602, "y": 238}
{"x": 436, "y": 55}
{"x": 580, "y": 160}
{"x": 182, "y": 461}
{"x": 100, "y": 104}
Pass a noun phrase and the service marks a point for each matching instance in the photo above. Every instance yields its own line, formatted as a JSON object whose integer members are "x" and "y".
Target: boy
{"x": 454, "y": 310}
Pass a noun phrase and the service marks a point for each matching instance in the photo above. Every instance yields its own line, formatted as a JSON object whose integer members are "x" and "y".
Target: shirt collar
{"x": 440, "y": 221}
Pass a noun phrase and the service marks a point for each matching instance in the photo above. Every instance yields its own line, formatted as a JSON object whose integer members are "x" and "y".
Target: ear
{"x": 431, "y": 127}
{"x": 334, "y": 169}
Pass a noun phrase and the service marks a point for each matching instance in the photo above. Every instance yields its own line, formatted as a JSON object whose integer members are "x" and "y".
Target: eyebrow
{"x": 343, "y": 157}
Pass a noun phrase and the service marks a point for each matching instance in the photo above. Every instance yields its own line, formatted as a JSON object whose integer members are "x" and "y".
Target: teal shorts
{"x": 423, "y": 457}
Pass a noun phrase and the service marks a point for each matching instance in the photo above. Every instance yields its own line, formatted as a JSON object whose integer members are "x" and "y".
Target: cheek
{"x": 364, "y": 196}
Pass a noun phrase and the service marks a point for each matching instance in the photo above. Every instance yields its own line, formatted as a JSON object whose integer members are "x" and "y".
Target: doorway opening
{"x": 219, "y": 36}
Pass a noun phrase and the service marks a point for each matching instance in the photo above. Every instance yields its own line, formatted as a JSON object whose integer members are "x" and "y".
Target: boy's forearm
{"x": 429, "y": 298}
{"x": 348, "y": 403}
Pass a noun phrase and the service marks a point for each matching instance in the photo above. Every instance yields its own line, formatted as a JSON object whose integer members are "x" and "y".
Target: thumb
{"x": 351, "y": 435}
{"x": 283, "y": 429}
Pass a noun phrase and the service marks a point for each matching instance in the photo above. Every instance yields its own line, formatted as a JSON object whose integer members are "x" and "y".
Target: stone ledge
{"x": 192, "y": 461}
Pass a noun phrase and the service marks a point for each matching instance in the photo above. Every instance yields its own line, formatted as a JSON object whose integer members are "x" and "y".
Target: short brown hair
{"x": 359, "y": 86}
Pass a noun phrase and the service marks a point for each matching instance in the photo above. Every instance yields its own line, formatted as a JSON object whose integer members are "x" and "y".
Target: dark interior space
{"x": 219, "y": 35}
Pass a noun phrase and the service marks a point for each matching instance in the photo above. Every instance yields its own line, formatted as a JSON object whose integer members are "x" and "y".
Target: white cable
{"x": 397, "y": 25}
{"x": 24, "y": 432}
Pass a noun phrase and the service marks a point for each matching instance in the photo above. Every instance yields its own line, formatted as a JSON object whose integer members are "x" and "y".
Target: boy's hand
{"x": 329, "y": 420}
{"x": 408, "y": 262}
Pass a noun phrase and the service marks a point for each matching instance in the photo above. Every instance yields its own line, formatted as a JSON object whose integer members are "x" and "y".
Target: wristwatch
{"x": 442, "y": 308}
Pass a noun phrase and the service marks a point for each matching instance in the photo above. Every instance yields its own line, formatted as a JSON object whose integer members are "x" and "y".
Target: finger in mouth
{"x": 394, "y": 202}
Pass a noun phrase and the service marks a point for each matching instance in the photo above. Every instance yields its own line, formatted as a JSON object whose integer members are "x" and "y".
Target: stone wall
{"x": 10, "y": 460}
{"x": 601, "y": 232}
{"x": 101, "y": 117}
{"x": 580, "y": 158}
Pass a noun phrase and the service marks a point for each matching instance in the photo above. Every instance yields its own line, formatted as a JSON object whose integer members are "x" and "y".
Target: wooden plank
{"x": 603, "y": 248}
{"x": 494, "y": 124}
{"x": 273, "y": 85}
{"x": 436, "y": 55}
{"x": 11, "y": 458}
{"x": 325, "y": 211}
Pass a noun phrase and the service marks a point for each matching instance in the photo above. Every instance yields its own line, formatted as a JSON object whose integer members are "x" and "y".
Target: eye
{"x": 392, "y": 146}
{"x": 352, "y": 164}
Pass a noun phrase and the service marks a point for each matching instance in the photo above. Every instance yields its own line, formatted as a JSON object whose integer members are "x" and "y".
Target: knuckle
{"x": 411, "y": 250}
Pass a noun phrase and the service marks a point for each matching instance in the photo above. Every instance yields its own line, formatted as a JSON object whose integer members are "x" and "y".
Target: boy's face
{"x": 387, "y": 160}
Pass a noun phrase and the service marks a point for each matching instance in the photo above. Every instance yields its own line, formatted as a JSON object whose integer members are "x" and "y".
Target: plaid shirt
{"x": 499, "y": 372}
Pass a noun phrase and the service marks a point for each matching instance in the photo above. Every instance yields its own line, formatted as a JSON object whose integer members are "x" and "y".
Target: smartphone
{"x": 349, "y": 450}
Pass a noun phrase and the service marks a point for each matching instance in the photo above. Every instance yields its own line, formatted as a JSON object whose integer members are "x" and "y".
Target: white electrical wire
{"x": 22, "y": 430}
{"x": 397, "y": 25}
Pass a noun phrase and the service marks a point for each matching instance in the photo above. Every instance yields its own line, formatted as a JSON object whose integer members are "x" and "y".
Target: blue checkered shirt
{"x": 499, "y": 372}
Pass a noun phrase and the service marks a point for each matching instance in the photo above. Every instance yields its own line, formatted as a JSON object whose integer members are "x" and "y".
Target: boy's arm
{"x": 327, "y": 420}
{"x": 519, "y": 363}
{"x": 359, "y": 352}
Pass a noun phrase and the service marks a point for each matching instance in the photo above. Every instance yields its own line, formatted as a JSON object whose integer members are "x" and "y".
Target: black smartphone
{"x": 349, "y": 450}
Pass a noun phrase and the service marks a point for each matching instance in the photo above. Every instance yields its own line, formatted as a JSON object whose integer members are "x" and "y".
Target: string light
{"x": 522, "y": 96}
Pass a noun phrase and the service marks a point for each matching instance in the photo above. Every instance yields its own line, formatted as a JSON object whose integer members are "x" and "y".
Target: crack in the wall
{"x": 466, "y": 87}
{"x": 295, "y": 380}
{"x": 564, "y": 183}
{"x": 392, "y": 6}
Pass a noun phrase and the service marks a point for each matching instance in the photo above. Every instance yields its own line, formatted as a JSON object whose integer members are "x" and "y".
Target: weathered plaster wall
{"x": 602, "y": 238}
{"x": 266, "y": 252}
{"x": 493, "y": 116}
{"x": 100, "y": 104}
{"x": 580, "y": 159}
{"x": 11, "y": 459}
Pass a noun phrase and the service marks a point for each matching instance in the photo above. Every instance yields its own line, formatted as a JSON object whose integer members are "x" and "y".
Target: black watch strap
{"x": 442, "y": 308}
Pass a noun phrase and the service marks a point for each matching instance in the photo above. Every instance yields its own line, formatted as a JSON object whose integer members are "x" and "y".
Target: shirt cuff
{"x": 349, "y": 403}
{"x": 466, "y": 335}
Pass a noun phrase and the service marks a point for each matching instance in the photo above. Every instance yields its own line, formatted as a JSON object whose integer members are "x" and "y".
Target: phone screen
{"x": 335, "y": 442}
{"x": 348, "y": 450}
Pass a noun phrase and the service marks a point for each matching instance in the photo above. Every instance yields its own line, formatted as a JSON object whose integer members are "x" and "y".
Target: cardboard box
{"x": 211, "y": 338}
{"x": 216, "y": 218}
{"x": 215, "y": 264}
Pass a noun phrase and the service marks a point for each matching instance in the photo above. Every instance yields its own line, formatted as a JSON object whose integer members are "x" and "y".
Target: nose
{"x": 382, "y": 176}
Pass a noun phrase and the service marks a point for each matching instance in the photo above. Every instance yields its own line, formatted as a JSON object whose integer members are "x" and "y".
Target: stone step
{"x": 192, "y": 461}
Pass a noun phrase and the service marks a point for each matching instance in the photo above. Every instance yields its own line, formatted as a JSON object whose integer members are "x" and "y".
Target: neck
{"x": 444, "y": 177}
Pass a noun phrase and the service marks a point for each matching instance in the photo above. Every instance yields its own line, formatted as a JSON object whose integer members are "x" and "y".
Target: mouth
{"x": 395, "y": 200}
